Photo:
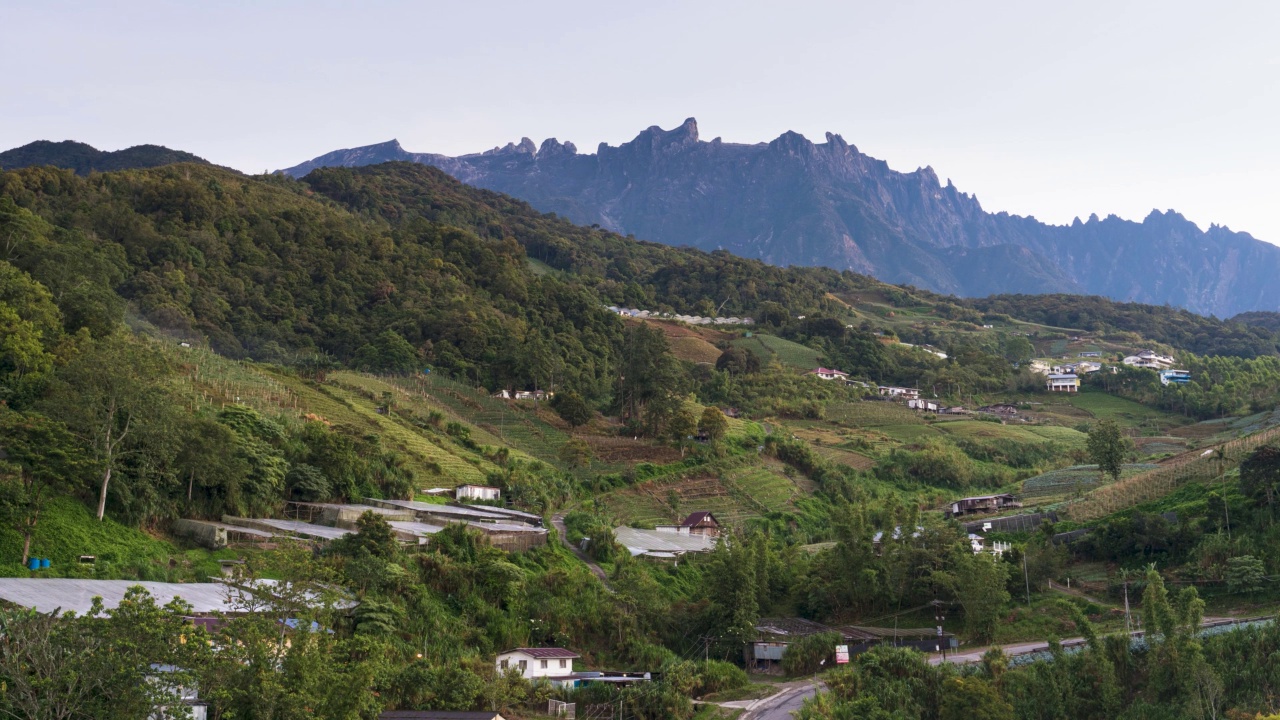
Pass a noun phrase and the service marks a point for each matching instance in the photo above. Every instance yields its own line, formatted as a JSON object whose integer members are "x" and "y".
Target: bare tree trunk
{"x": 102, "y": 496}
{"x": 26, "y": 545}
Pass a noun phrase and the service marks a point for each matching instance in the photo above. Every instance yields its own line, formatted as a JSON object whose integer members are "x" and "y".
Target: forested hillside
{"x": 1175, "y": 327}
{"x": 188, "y": 342}
{"x": 85, "y": 159}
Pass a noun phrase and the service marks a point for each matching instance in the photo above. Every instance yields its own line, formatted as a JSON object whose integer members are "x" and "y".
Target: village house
{"x": 925, "y": 405}
{"x": 1086, "y": 367}
{"x": 829, "y": 374}
{"x": 1175, "y": 377}
{"x": 1068, "y": 382}
{"x": 899, "y": 392}
{"x": 701, "y": 523}
{"x": 535, "y": 663}
{"x": 1090, "y": 353}
{"x": 1149, "y": 360}
{"x": 476, "y": 492}
{"x": 982, "y": 504}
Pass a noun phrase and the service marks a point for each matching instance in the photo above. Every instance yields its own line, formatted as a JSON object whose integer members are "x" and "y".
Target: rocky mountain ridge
{"x": 792, "y": 201}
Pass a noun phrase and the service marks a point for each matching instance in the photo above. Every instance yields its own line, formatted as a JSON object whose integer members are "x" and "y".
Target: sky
{"x": 1055, "y": 110}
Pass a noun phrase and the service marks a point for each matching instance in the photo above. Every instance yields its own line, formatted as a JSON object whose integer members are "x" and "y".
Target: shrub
{"x": 717, "y": 676}
{"x": 809, "y": 654}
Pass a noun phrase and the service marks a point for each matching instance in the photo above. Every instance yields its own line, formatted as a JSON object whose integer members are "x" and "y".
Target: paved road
{"x": 780, "y": 705}
{"x": 557, "y": 520}
{"x": 973, "y": 655}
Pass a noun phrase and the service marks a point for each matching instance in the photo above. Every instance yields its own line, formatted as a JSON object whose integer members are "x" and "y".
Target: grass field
{"x": 769, "y": 347}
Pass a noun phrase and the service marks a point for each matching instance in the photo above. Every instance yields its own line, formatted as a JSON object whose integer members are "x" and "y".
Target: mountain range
{"x": 792, "y": 201}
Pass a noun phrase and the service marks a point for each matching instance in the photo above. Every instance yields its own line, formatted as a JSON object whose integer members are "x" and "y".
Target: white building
{"x": 1063, "y": 383}
{"x": 926, "y": 405}
{"x": 829, "y": 374}
{"x": 476, "y": 492}
{"x": 1149, "y": 360}
{"x": 535, "y": 663}
{"x": 899, "y": 392}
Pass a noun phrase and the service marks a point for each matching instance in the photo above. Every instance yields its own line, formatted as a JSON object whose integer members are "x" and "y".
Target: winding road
{"x": 557, "y": 521}
{"x": 780, "y": 705}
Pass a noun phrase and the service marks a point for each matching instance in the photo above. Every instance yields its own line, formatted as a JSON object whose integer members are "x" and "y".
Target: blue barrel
{"x": 33, "y": 564}
{"x": 44, "y": 564}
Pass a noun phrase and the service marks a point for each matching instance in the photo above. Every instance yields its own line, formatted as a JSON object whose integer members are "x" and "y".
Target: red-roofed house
{"x": 829, "y": 374}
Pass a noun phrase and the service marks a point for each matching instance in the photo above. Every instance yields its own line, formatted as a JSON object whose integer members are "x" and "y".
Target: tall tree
{"x": 103, "y": 394}
{"x": 1108, "y": 447}
{"x": 1260, "y": 476}
{"x": 39, "y": 461}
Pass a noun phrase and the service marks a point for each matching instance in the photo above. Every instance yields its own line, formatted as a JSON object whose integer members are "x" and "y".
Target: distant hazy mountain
{"x": 795, "y": 202}
{"x": 84, "y": 159}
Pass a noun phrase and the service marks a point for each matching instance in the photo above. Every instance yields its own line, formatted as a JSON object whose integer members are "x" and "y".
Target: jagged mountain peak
{"x": 790, "y": 201}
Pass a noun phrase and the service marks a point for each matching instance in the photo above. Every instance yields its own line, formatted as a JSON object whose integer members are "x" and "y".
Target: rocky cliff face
{"x": 795, "y": 202}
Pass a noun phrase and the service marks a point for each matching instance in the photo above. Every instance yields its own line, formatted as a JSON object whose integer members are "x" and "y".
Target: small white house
{"x": 537, "y": 663}
{"x": 899, "y": 392}
{"x": 925, "y": 405}
{"x": 829, "y": 374}
{"x": 1150, "y": 360}
{"x": 476, "y": 492}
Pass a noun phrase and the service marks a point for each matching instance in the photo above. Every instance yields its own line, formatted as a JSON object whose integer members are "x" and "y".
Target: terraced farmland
{"x": 501, "y": 418}
{"x": 854, "y": 460}
{"x": 423, "y": 455}
{"x": 763, "y": 486}
{"x": 769, "y": 347}
{"x": 647, "y": 503}
{"x": 1063, "y": 483}
{"x": 872, "y": 413}
{"x": 979, "y": 429}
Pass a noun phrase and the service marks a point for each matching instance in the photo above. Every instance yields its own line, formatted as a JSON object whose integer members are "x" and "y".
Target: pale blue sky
{"x": 1054, "y": 110}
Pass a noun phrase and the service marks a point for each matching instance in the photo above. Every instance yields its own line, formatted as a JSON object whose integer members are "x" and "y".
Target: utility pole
{"x": 1025, "y": 577}
{"x": 1127, "y": 628}
{"x": 940, "y": 618}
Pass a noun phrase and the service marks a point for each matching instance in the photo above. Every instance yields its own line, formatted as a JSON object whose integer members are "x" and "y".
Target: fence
{"x": 1154, "y": 484}
{"x": 561, "y": 709}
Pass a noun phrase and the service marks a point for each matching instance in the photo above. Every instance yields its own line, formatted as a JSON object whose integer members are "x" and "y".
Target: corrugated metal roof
{"x": 299, "y": 528}
{"x": 544, "y": 653}
{"x": 639, "y": 542}
{"x": 441, "y": 510}
{"x": 72, "y": 594}
{"x": 415, "y": 527}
